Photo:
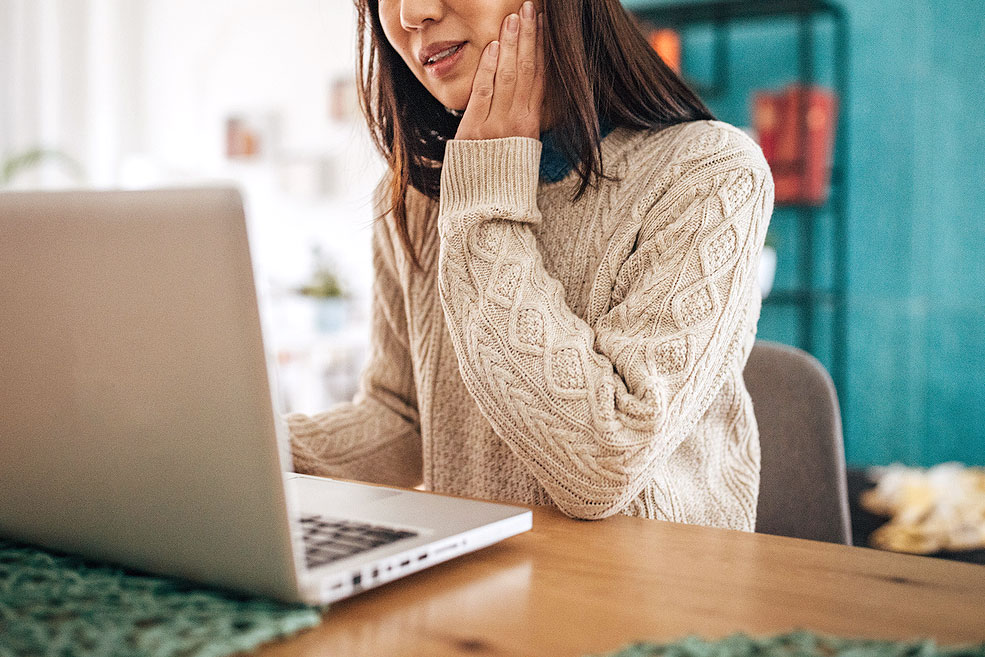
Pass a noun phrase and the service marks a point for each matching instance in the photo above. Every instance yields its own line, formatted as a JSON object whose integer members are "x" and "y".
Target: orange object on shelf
{"x": 667, "y": 43}
{"x": 801, "y": 163}
{"x": 241, "y": 140}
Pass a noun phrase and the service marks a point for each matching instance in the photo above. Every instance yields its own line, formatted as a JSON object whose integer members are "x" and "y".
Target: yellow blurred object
{"x": 941, "y": 508}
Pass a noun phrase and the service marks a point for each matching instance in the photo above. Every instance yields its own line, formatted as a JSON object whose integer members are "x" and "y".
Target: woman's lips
{"x": 443, "y": 67}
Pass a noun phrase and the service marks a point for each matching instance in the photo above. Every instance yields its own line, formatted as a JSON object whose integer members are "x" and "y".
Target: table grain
{"x": 572, "y": 588}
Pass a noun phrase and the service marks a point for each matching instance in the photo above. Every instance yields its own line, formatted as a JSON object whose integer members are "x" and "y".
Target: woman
{"x": 565, "y": 291}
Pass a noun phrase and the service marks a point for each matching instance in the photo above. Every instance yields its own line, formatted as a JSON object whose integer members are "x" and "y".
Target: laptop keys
{"x": 331, "y": 539}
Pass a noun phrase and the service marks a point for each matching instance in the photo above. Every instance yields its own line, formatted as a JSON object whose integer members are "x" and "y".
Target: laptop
{"x": 138, "y": 425}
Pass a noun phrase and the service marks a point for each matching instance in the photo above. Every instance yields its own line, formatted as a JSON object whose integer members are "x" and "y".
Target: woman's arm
{"x": 594, "y": 411}
{"x": 377, "y": 436}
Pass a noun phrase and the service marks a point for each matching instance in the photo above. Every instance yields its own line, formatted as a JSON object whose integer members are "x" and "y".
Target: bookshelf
{"x": 808, "y": 296}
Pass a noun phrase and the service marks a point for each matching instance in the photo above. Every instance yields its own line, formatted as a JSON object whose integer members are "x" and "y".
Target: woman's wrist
{"x": 499, "y": 174}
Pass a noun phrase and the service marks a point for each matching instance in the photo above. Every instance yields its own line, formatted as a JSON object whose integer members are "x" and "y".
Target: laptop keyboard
{"x": 330, "y": 539}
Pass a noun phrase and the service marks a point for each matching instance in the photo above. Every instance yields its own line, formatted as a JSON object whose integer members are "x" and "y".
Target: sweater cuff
{"x": 497, "y": 177}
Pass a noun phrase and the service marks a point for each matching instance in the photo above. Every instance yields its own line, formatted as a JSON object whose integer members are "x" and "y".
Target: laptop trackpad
{"x": 325, "y": 495}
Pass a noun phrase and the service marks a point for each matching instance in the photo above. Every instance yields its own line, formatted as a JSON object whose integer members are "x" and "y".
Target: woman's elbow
{"x": 594, "y": 508}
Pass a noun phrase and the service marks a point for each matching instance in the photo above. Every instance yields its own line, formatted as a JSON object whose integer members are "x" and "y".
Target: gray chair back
{"x": 803, "y": 489}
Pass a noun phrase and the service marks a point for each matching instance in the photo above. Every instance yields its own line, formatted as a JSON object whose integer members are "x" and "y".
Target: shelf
{"x": 801, "y": 297}
{"x": 716, "y": 12}
{"x": 804, "y": 206}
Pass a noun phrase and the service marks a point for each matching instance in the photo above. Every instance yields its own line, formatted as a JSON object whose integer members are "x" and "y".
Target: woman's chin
{"x": 456, "y": 106}
{"x": 454, "y": 101}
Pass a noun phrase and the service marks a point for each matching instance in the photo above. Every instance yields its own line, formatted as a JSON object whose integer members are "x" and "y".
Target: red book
{"x": 802, "y": 160}
{"x": 766, "y": 110}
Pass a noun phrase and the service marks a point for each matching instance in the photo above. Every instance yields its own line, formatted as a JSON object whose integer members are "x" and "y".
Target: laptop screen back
{"x": 137, "y": 423}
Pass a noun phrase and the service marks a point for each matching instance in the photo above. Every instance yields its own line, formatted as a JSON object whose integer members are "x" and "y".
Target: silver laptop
{"x": 136, "y": 417}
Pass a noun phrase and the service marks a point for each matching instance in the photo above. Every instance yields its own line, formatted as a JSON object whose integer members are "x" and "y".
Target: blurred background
{"x": 869, "y": 111}
{"x": 256, "y": 93}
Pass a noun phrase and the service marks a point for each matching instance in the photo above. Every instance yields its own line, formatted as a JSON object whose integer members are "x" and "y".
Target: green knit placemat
{"x": 62, "y": 606}
{"x": 796, "y": 644}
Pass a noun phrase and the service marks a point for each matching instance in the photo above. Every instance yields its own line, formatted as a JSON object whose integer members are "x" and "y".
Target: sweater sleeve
{"x": 376, "y": 437}
{"x": 595, "y": 411}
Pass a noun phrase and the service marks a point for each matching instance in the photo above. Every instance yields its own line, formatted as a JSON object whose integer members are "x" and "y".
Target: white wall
{"x": 69, "y": 81}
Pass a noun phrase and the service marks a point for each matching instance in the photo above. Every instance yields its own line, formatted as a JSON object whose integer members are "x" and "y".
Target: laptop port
{"x": 357, "y": 580}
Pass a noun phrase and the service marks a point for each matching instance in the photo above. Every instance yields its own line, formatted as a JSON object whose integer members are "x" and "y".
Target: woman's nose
{"x": 415, "y": 13}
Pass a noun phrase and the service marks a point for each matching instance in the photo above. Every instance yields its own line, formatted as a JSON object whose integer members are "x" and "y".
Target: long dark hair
{"x": 595, "y": 46}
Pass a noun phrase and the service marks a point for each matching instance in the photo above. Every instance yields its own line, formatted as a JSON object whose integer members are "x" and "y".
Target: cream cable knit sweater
{"x": 585, "y": 354}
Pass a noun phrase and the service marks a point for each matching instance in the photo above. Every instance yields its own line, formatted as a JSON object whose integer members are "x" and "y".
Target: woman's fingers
{"x": 506, "y": 75}
{"x": 508, "y": 87}
{"x": 483, "y": 86}
{"x": 537, "y": 88}
{"x": 526, "y": 56}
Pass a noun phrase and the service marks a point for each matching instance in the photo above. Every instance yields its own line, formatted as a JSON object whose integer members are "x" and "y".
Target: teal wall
{"x": 915, "y": 383}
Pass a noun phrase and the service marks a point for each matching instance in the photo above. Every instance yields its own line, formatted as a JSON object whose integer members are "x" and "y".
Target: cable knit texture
{"x": 586, "y": 354}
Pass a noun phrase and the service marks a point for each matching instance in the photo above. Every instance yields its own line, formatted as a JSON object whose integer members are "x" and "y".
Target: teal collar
{"x": 554, "y": 167}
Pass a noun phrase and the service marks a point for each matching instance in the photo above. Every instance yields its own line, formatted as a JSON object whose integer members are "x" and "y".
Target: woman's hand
{"x": 508, "y": 89}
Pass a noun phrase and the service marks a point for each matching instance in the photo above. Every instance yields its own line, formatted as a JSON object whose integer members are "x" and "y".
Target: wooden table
{"x": 571, "y": 588}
